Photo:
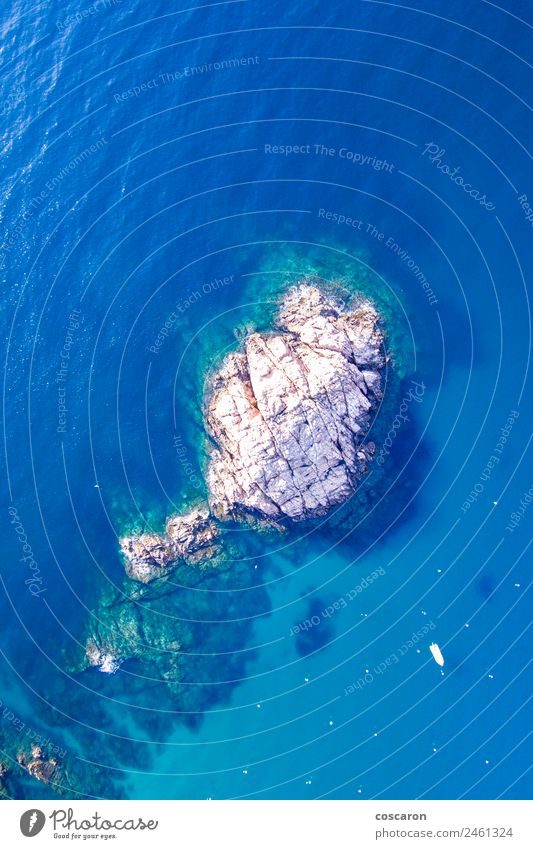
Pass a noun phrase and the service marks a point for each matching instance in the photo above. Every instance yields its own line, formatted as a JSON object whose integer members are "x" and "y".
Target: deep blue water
{"x": 138, "y": 173}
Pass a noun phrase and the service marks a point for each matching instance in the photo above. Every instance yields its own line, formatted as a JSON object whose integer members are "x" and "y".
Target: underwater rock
{"x": 4, "y": 791}
{"x": 38, "y": 765}
{"x": 189, "y": 538}
{"x": 128, "y": 631}
{"x": 289, "y": 415}
{"x": 35, "y": 767}
{"x": 184, "y": 648}
{"x": 4, "y": 771}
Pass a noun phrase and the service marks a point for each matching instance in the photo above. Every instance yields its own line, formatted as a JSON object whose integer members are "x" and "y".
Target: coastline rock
{"x": 30, "y": 756}
{"x": 288, "y": 416}
{"x": 190, "y": 538}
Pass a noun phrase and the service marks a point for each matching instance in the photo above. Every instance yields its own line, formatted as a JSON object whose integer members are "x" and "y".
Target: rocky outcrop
{"x": 288, "y": 416}
{"x": 194, "y": 535}
{"x": 190, "y": 538}
{"x": 4, "y": 790}
{"x": 38, "y": 765}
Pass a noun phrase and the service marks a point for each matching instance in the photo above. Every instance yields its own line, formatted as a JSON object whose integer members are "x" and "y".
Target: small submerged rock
{"x": 38, "y": 765}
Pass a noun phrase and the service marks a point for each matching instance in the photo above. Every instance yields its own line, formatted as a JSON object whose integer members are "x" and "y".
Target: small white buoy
{"x": 437, "y": 654}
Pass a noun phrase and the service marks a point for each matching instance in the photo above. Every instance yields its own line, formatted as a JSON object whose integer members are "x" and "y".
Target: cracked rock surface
{"x": 189, "y": 538}
{"x": 288, "y": 416}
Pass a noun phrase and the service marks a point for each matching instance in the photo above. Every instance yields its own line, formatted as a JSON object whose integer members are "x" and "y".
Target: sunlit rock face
{"x": 189, "y": 538}
{"x": 288, "y": 415}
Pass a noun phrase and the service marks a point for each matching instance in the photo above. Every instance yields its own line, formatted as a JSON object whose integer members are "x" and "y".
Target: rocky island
{"x": 287, "y": 419}
{"x": 288, "y": 416}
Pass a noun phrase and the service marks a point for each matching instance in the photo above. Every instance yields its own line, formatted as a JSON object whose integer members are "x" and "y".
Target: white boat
{"x": 437, "y": 654}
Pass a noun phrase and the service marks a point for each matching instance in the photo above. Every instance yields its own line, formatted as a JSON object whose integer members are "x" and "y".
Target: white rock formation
{"x": 189, "y": 538}
{"x": 288, "y": 416}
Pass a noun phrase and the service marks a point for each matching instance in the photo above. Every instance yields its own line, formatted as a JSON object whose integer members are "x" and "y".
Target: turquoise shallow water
{"x": 147, "y": 223}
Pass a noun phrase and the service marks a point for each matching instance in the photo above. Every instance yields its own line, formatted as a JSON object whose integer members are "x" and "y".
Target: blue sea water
{"x": 166, "y": 173}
